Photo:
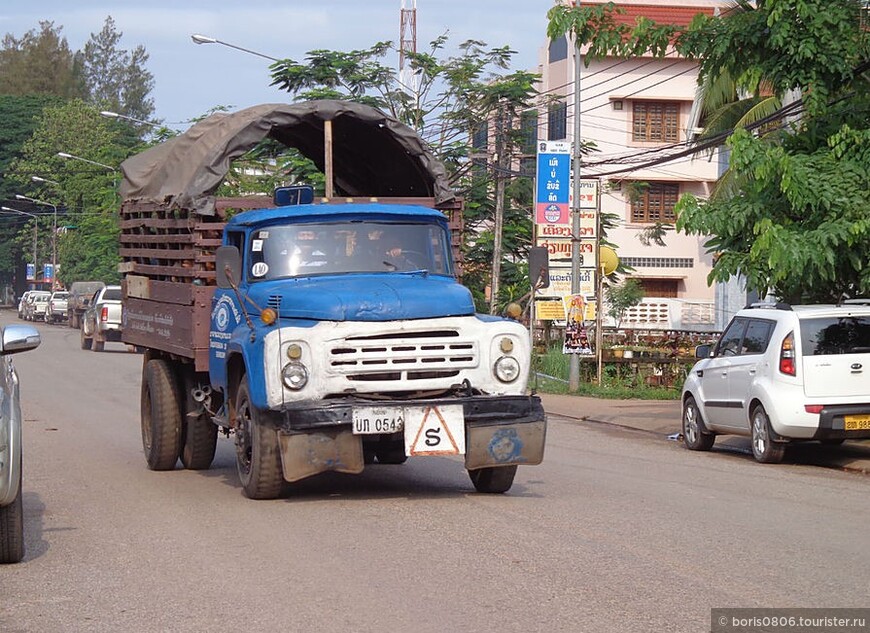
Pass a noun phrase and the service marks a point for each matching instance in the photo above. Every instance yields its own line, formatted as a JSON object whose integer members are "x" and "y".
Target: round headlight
{"x": 295, "y": 376}
{"x": 507, "y": 368}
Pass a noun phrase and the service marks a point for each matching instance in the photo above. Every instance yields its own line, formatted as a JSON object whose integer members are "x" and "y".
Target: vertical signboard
{"x": 47, "y": 273}
{"x": 31, "y": 272}
{"x": 553, "y": 183}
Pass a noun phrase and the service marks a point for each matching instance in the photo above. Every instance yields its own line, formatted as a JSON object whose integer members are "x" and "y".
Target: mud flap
{"x": 505, "y": 444}
{"x": 306, "y": 454}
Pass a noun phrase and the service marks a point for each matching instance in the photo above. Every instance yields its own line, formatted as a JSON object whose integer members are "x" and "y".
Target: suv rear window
{"x": 835, "y": 335}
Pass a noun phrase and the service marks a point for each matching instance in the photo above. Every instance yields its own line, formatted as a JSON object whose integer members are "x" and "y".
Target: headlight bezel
{"x": 294, "y": 376}
{"x": 507, "y": 369}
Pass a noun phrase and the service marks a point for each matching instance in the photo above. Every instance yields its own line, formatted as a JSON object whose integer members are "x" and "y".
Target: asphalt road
{"x": 616, "y": 531}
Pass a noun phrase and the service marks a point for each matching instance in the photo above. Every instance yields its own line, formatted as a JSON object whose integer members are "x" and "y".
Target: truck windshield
{"x": 301, "y": 250}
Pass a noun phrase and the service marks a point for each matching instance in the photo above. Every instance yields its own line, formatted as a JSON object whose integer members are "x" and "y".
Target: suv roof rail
{"x": 770, "y": 306}
{"x": 858, "y": 301}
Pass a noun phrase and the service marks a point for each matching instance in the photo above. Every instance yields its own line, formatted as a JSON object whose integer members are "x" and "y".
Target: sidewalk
{"x": 663, "y": 418}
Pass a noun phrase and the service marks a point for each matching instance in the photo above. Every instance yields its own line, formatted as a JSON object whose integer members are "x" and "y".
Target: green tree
{"x": 86, "y": 192}
{"x": 115, "y": 78}
{"x": 454, "y": 95}
{"x": 20, "y": 116}
{"x": 39, "y": 62}
{"x": 798, "y": 224}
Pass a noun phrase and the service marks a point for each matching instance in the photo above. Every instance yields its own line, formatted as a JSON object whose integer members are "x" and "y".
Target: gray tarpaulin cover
{"x": 373, "y": 154}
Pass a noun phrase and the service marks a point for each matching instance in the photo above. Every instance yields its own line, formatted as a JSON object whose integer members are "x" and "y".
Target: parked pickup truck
{"x": 57, "y": 307}
{"x": 102, "y": 319}
{"x": 80, "y": 294}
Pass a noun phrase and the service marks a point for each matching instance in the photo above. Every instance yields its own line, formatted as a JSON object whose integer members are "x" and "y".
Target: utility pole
{"x": 574, "y": 366}
{"x": 498, "y": 229}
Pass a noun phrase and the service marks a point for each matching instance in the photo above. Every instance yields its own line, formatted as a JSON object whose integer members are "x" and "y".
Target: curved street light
{"x": 35, "y": 234}
{"x": 205, "y": 39}
{"x": 114, "y": 171}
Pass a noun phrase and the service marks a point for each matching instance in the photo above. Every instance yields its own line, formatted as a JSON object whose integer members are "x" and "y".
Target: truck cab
{"x": 380, "y": 350}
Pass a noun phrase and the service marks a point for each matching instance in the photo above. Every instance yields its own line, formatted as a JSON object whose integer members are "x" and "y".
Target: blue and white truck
{"x": 321, "y": 334}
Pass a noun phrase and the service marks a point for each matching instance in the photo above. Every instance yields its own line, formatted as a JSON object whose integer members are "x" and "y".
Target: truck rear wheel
{"x": 198, "y": 433}
{"x": 258, "y": 456}
{"x": 85, "y": 340}
{"x": 161, "y": 416}
{"x": 493, "y": 480}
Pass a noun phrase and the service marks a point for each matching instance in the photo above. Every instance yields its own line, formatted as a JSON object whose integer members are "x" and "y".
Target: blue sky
{"x": 190, "y": 79}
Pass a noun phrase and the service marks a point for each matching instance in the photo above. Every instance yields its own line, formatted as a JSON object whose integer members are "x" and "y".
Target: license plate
{"x": 857, "y": 423}
{"x": 377, "y": 420}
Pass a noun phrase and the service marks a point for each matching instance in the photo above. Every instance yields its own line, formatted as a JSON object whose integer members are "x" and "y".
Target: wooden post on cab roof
{"x": 327, "y": 156}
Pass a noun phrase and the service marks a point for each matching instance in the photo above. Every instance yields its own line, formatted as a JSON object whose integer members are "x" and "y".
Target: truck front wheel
{"x": 493, "y": 480}
{"x": 258, "y": 456}
{"x": 161, "y": 416}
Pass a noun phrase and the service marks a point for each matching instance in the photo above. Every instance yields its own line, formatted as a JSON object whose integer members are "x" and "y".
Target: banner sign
{"x": 553, "y": 183}
{"x": 560, "y": 282}
{"x": 31, "y": 272}
{"x": 47, "y": 273}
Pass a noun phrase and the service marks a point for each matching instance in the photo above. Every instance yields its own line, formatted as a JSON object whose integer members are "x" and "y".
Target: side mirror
{"x": 703, "y": 351}
{"x": 19, "y": 338}
{"x": 228, "y": 266}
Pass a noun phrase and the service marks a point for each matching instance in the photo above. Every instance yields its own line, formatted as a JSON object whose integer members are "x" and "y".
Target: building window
{"x": 528, "y": 166}
{"x": 658, "y": 262}
{"x": 529, "y": 132}
{"x": 663, "y": 288}
{"x": 655, "y": 121}
{"x": 479, "y": 147}
{"x": 655, "y": 203}
{"x": 557, "y": 121}
{"x": 558, "y": 50}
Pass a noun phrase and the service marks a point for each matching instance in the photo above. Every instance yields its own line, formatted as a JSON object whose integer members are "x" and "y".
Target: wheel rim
{"x": 690, "y": 424}
{"x": 243, "y": 437}
{"x": 759, "y": 434}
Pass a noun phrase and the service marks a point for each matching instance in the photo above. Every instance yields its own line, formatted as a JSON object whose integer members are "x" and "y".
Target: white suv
{"x": 782, "y": 373}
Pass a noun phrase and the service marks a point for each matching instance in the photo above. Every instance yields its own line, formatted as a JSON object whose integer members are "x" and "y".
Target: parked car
{"x": 34, "y": 308}
{"x": 57, "y": 306}
{"x": 782, "y": 373}
{"x": 22, "y": 302}
{"x": 15, "y": 339}
{"x": 80, "y": 295}
{"x": 102, "y": 320}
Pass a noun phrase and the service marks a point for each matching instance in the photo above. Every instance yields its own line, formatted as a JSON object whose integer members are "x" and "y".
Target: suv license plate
{"x": 377, "y": 420}
{"x": 856, "y": 422}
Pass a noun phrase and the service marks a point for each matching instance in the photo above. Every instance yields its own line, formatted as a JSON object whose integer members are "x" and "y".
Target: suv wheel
{"x": 764, "y": 448}
{"x": 695, "y": 436}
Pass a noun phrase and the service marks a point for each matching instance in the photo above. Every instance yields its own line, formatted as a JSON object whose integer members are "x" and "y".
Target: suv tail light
{"x": 104, "y": 314}
{"x": 786, "y": 356}
{"x": 813, "y": 408}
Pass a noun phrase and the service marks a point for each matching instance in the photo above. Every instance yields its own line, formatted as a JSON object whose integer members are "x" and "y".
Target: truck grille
{"x": 403, "y": 356}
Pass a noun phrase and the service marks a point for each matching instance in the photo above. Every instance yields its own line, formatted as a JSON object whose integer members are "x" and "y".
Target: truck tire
{"x": 258, "y": 456}
{"x": 391, "y": 452}
{"x": 493, "y": 480}
{"x": 198, "y": 433}
{"x": 12, "y": 530}
{"x": 161, "y": 415}
{"x": 86, "y": 340}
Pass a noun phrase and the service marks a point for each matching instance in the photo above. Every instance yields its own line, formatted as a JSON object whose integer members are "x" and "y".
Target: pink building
{"x": 637, "y": 110}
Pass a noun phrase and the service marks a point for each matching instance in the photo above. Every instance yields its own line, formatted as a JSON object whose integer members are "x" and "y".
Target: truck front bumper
{"x": 499, "y": 431}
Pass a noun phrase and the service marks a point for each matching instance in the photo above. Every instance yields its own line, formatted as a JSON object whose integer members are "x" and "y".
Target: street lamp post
{"x": 53, "y": 235}
{"x": 114, "y": 171}
{"x": 205, "y": 39}
{"x": 35, "y": 234}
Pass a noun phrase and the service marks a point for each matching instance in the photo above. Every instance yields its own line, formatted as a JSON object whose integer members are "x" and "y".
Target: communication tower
{"x": 408, "y": 44}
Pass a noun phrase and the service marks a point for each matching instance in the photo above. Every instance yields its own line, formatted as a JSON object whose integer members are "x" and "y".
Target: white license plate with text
{"x": 377, "y": 420}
